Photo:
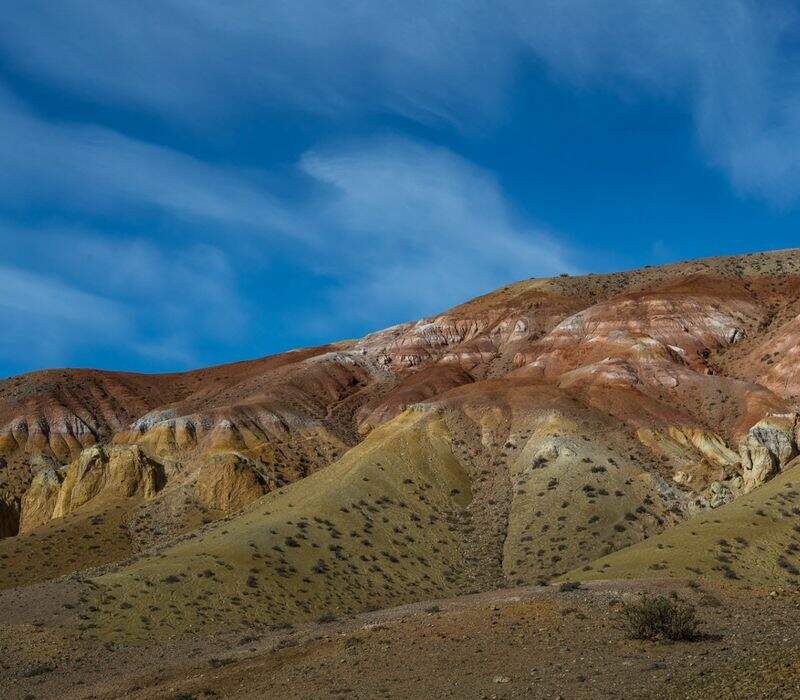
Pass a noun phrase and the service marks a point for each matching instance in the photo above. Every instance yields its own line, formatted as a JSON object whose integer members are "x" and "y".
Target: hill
{"x": 640, "y": 425}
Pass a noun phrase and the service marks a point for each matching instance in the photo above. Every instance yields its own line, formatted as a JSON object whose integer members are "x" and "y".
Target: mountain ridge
{"x": 667, "y": 359}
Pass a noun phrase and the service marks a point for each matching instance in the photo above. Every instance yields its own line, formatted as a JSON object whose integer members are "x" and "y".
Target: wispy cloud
{"x": 395, "y": 227}
{"x": 179, "y": 56}
{"x": 39, "y": 296}
{"x": 731, "y": 62}
{"x": 70, "y": 293}
{"x": 187, "y": 288}
{"x": 93, "y": 169}
{"x": 43, "y": 318}
{"x": 415, "y": 229}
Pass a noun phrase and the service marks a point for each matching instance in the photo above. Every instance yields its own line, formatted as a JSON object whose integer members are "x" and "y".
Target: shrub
{"x": 569, "y": 586}
{"x": 661, "y": 618}
{"x": 38, "y": 670}
{"x": 218, "y": 663}
{"x": 326, "y": 618}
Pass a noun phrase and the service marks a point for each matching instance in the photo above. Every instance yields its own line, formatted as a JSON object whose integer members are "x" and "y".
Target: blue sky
{"x": 186, "y": 182}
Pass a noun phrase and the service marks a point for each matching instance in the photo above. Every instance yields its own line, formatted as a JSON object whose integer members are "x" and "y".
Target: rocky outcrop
{"x": 229, "y": 481}
{"x": 98, "y": 475}
{"x": 704, "y": 464}
{"x": 768, "y": 448}
{"x": 719, "y": 494}
{"x": 697, "y": 458}
{"x": 664, "y": 326}
{"x": 118, "y": 471}
{"x": 40, "y": 499}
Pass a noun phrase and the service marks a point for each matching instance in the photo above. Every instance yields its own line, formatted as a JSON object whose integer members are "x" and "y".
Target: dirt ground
{"x": 535, "y": 642}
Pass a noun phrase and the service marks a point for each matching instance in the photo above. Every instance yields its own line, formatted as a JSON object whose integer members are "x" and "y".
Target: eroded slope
{"x": 582, "y": 415}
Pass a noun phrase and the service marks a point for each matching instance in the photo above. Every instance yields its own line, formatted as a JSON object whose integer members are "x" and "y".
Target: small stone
{"x": 501, "y": 679}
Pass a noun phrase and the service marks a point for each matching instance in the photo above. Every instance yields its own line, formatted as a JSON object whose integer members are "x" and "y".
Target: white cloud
{"x": 417, "y": 229}
{"x": 180, "y": 56}
{"x": 398, "y": 228}
{"x": 71, "y": 292}
{"x": 40, "y": 296}
{"x": 181, "y": 288}
{"x": 42, "y": 318}
{"x": 732, "y": 62}
{"x": 88, "y": 168}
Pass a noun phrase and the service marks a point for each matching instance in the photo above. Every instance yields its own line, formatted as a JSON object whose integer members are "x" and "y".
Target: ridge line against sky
{"x": 188, "y": 183}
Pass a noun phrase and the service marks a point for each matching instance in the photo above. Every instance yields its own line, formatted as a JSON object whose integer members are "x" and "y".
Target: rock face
{"x": 40, "y": 499}
{"x": 228, "y": 482}
{"x": 768, "y": 448}
{"x": 115, "y": 472}
{"x": 99, "y": 474}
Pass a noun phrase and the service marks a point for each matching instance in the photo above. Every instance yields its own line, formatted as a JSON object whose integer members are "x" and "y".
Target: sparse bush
{"x": 38, "y": 670}
{"x": 218, "y": 663}
{"x": 326, "y": 618}
{"x": 661, "y": 618}
{"x": 281, "y": 626}
{"x": 569, "y": 586}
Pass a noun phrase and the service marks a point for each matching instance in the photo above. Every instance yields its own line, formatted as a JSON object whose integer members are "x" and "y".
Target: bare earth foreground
{"x": 396, "y": 516}
{"x": 526, "y": 642}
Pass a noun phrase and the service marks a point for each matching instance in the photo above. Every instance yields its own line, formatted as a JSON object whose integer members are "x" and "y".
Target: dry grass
{"x": 377, "y": 528}
{"x": 754, "y": 540}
